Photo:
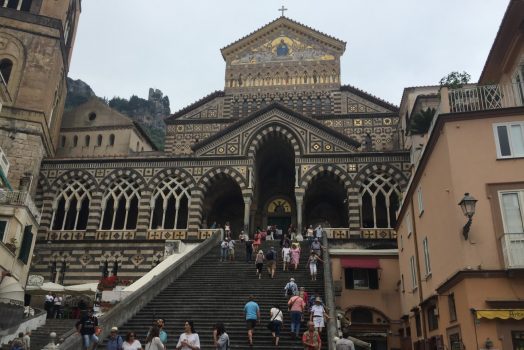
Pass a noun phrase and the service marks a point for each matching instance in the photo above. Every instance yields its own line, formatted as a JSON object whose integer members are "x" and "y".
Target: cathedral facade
{"x": 284, "y": 143}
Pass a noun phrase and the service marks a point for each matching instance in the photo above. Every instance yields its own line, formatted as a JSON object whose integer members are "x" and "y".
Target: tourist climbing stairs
{"x": 212, "y": 291}
{"x": 40, "y": 336}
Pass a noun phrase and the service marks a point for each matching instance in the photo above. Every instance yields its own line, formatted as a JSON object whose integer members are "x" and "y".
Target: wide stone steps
{"x": 212, "y": 291}
{"x": 40, "y": 336}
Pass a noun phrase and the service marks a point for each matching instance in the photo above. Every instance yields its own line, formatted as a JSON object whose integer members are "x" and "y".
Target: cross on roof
{"x": 282, "y": 9}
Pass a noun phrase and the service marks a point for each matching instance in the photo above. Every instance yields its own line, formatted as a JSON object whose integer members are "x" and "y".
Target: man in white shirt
{"x": 57, "y": 309}
{"x": 344, "y": 344}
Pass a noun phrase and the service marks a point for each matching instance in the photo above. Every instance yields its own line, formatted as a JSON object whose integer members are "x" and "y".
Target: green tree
{"x": 421, "y": 121}
{"x": 455, "y": 80}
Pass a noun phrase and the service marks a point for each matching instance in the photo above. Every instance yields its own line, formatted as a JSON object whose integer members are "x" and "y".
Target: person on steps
{"x": 291, "y": 288}
{"x": 271, "y": 258}
{"x": 131, "y": 343}
{"x": 86, "y": 327}
{"x": 311, "y": 338}
{"x": 312, "y": 264}
{"x": 188, "y": 340}
{"x": 295, "y": 255}
{"x": 224, "y": 249}
{"x": 286, "y": 257}
{"x": 162, "y": 333}
{"x": 252, "y": 314}
{"x": 249, "y": 249}
{"x": 317, "y": 315}
{"x": 115, "y": 341}
{"x": 153, "y": 341}
{"x": 296, "y": 308}
{"x": 231, "y": 249}
{"x": 277, "y": 318}
{"x": 220, "y": 337}
{"x": 259, "y": 263}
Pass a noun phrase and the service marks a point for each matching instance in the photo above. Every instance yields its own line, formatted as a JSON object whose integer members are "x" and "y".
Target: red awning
{"x": 360, "y": 263}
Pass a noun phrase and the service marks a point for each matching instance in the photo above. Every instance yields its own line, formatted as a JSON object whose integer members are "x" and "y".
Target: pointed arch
{"x": 205, "y": 182}
{"x": 332, "y": 170}
{"x": 71, "y": 206}
{"x": 264, "y": 132}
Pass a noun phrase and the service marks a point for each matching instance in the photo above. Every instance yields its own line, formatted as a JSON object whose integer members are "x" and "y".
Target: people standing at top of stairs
{"x": 227, "y": 229}
{"x": 224, "y": 249}
{"x": 312, "y": 264}
{"x": 291, "y": 288}
{"x": 131, "y": 343}
{"x": 318, "y": 232}
{"x": 48, "y": 304}
{"x": 242, "y": 237}
{"x": 231, "y": 249}
{"x": 86, "y": 327}
{"x": 252, "y": 314}
{"x": 220, "y": 337}
{"x": 57, "y": 306}
{"x": 153, "y": 341}
{"x": 189, "y": 340}
{"x": 295, "y": 255}
{"x": 310, "y": 234}
{"x": 271, "y": 258}
{"x": 286, "y": 257}
{"x": 249, "y": 250}
{"x": 259, "y": 263}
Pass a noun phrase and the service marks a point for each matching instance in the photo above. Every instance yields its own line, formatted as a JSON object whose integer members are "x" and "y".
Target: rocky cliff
{"x": 150, "y": 113}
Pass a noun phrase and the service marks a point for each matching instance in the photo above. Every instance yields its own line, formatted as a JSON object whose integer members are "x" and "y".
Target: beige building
{"x": 36, "y": 41}
{"x": 461, "y": 282}
{"x": 96, "y": 130}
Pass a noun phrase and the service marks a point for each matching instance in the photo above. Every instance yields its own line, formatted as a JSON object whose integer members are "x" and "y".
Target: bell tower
{"x": 36, "y": 43}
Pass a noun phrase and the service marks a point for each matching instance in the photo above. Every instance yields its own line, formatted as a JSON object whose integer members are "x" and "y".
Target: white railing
{"x": 513, "y": 250}
{"x": 486, "y": 97}
{"x": 20, "y": 198}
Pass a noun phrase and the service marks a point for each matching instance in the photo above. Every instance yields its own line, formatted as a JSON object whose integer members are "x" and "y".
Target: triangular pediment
{"x": 284, "y": 40}
{"x": 308, "y": 136}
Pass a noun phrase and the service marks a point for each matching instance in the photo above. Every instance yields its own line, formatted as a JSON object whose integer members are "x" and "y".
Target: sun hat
{"x": 318, "y": 299}
{"x": 114, "y": 329}
{"x": 260, "y": 251}
{"x": 292, "y": 279}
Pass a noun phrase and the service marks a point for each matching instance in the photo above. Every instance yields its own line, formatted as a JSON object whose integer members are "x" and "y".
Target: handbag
{"x": 271, "y": 325}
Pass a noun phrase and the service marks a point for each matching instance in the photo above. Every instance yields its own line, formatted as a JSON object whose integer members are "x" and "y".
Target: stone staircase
{"x": 212, "y": 291}
{"x": 40, "y": 336}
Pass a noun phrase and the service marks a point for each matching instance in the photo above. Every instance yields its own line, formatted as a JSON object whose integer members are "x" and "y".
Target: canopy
{"x": 360, "y": 263}
{"x": 11, "y": 289}
{"x": 86, "y": 288}
{"x": 82, "y": 288}
{"x": 516, "y": 314}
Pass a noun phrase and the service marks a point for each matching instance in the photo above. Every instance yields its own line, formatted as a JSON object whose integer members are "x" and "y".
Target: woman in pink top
{"x": 296, "y": 307}
{"x": 295, "y": 255}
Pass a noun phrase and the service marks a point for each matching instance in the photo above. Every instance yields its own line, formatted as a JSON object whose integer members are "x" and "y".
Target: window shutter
{"x": 3, "y": 225}
{"x": 349, "y": 279}
{"x": 27, "y": 242}
{"x": 373, "y": 278}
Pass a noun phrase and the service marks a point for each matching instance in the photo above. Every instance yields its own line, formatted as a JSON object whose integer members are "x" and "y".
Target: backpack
{"x": 270, "y": 255}
{"x": 289, "y": 290}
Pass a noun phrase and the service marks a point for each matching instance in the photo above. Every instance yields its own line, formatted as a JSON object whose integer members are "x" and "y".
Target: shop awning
{"x": 516, "y": 314}
{"x": 360, "y": 263}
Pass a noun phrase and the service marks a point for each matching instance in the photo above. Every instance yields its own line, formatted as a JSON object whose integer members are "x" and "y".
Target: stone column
{"x": 300, "y": 203}
{"x": 353, "y": 211}
{"x": 196, "y": 208}
{"x": 247, "y": 211}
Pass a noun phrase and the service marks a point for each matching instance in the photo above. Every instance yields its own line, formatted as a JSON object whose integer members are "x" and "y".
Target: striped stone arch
{"x": 171, "y": 172}
{"x": 331, "y": 170}
{"x": 388, "y": 169}
{"x": 113, "y": 176}
{"x": 77, "y": 174}
{"x": 261, "y": 135}
{"x": 207, "y": 179}
{"x": 44, "y": 201}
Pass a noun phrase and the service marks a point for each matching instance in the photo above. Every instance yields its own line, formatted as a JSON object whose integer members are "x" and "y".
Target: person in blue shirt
{"x": 115, "y": 341}
{"x": 252, "y": 313}
{"x": 163, "y": 335}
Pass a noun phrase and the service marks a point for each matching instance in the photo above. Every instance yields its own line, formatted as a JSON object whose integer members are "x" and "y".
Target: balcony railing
{"x": 486, "y": 97}
{"x": 22, "y": 199}
{"x": 513, "y": 250}
{"x": 365, "y": 233}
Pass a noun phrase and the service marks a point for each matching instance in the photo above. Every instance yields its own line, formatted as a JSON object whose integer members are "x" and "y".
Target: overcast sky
{"x": 124, "y": 47}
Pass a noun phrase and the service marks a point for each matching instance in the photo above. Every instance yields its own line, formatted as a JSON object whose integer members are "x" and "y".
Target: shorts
{"x": 88, "y": 339}
{"x": 231, "y": 252}
{"x": 313, "y": 269}
{"x": 259, "y": 267}
{"x": 318, "y": 321}
{"x": 277, "y": 327}
{"x": 251, "y": 324}
{"x": 287, "y": 258}
{"x": 271, "y": 264}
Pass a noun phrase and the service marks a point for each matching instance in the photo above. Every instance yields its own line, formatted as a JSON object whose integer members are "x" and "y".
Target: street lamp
{"x": 468, "y": 208}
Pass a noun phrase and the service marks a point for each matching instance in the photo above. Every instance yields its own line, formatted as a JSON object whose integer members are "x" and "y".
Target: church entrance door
{"x": 223, "y": 203}
{"x": 275, "y": 183}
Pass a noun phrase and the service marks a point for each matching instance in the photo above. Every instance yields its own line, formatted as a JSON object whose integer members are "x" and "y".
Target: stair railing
{"x": 332, "y": 331}
{"x": 136, "y": 301}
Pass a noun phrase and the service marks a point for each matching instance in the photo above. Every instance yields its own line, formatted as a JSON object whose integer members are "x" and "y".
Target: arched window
{"x": 111, "y": 140}
{"x": 318, "y": 105}
{"x": 379, "y": 201}
{"x": 75, "y": 141}
{"x": 299, "y": 105}
{"x": 120, "y": 205}
{"x": 361, "y": 315}
{"x": 235, "y": 109}
{"x": 245, "y": 108}
{"x": 63, "y": 141}
{"x": 99, "y": 140}
{"x": 263, "y": 103}
{"x": 309, "y": 106}
{"x": 87, "y": 140}
{"x": 71, "y": 207}
{"x": 327, "y": 105}
{"x": 290, "y": 103}
{"x": 137, "y": 146}
{"x": 6, "y": 66}
{"x": 169, "y": 205}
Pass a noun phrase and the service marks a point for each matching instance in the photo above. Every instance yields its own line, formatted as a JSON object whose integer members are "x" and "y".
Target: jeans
{"x": 296, "y": 317}
{"x": 223, "y": 253}
{"x": 249, "y": 255}
{"x": 87, "y": 339}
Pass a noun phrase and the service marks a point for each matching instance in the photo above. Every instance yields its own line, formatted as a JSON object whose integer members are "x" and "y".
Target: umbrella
{"x": 11, "y": 289}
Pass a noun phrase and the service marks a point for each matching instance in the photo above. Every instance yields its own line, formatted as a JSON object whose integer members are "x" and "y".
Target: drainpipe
{"x": 332, "y": 331}
{"x": 419, "y": 277}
